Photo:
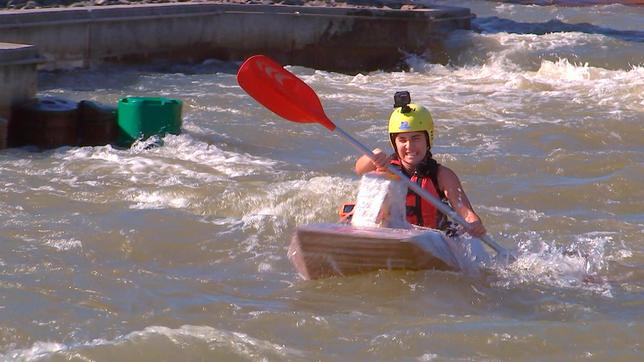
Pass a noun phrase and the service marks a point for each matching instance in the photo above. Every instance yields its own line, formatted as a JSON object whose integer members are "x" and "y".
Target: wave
{"x": 525, "y": 52}
{"x": 494, "y": 24}
{"x": 161, "y": 344}
{"x": 297, "y": 202}
{"x": 572, "y": 2}
{"x": 579, "y": 266}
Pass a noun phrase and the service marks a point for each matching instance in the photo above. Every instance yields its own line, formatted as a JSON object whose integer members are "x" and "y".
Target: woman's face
{"x": 411, "y": 147}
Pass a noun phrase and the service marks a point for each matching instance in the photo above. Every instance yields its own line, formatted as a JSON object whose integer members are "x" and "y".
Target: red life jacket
{"x": 419, "y": 211}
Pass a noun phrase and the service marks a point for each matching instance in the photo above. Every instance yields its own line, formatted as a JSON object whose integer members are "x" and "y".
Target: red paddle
{"x": 281, "y": 91}
{"x": 289, "y": 97}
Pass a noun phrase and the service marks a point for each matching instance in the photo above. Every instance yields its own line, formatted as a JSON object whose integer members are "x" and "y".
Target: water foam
{"x": 512, "y": 52}
{"x": 157, "y": 200}
{"x": 616, "y": 92}
{"x": 295, "y": 202}
{"x": 563, "y": 70}
{"x": 180, "y": 155}
{"x": 578, "y": 266}
{"x": 63, "y": 244}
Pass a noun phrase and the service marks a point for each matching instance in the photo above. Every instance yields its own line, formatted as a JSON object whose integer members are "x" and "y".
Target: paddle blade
{"x": 281, "y": 91}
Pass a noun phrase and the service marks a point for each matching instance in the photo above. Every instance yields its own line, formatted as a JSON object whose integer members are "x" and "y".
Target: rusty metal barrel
{"x": 97, "y": 123}
{"x": 47, "y": 122}
{"x": 4, "y": 124}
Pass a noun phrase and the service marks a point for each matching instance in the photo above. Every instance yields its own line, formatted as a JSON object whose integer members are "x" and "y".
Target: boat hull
{"x": 325, "y": 250}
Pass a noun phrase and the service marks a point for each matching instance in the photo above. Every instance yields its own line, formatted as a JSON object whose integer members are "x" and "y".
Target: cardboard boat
{"x": 378, "y": 236}
{"x": 326, "y": 250}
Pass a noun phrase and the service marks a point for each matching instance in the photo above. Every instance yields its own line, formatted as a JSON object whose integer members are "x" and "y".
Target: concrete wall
{"x": 18, "y": 80}
{"x": 339, "y": 39}
{"x": 18, "y": 75}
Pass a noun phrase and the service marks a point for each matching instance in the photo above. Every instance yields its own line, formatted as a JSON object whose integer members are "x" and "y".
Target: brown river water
{"x": 178, "y": 252}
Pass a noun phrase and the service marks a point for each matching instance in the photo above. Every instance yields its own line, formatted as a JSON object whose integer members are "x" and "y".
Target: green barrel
{"x": 142, "y": 117}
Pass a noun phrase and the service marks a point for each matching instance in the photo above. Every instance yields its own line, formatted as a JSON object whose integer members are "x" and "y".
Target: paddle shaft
{"x": 420, "y": 191}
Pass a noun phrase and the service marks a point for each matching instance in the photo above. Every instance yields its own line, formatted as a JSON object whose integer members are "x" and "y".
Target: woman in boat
{"x": 411, "y": 132}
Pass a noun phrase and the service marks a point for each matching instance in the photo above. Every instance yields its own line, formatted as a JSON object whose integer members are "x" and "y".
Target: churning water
{"x": 179, "y": 252}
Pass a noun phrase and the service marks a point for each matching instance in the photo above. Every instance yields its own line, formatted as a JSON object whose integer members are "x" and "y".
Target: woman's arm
{"x": 451, "y": 186}
{"x": 364, "y": 164}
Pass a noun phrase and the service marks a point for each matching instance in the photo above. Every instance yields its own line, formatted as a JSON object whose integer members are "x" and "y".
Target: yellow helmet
{"x": 416, "y": 119}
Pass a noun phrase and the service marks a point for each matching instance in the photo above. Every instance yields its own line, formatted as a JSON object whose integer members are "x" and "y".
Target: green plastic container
{"x": 143, "y": 117}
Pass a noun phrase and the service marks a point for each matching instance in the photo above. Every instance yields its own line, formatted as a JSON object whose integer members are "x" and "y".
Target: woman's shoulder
{"x": 445, "y": 176}
{"x": 442, "y": 169}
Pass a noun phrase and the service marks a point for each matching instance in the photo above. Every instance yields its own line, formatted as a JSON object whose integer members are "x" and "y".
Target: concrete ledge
{"x": 51, "y": 16}
{"x": 334, "y": 38}
{"x": 11, "y": 53}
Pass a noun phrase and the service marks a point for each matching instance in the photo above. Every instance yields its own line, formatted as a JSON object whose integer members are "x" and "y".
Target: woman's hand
{"x": 476, "y": 228}
{"x": 379, "y": 163}
{"x": 380, "y": 160}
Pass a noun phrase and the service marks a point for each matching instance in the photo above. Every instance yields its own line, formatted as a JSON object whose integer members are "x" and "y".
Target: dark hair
{"x": 429, "y": 166}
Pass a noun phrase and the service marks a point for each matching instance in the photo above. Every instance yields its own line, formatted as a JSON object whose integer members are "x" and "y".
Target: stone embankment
{"x": 346, "y": 37}
{"x": 351, "y": 37}
{"x": 410, "y": 4}
{"x": 36, "y": 4}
